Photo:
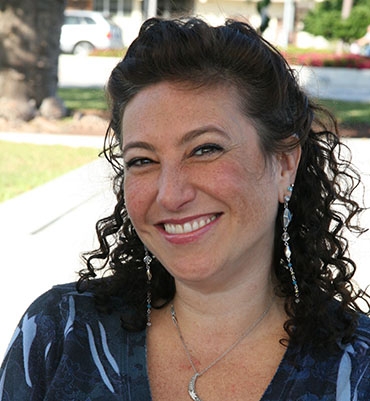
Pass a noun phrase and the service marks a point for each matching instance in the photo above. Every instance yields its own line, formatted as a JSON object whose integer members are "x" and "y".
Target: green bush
{"x": 325, "y": 20}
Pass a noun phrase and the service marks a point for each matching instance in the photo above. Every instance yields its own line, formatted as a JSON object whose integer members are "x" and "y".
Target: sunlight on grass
{"x": 363, "y": 114}
{"x": 26, "y": 166}
{"x": 349, "y": 112}
{"x": 83, "y": 98}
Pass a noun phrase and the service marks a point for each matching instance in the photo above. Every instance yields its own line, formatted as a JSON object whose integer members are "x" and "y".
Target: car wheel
{"x": 83, "y": 48}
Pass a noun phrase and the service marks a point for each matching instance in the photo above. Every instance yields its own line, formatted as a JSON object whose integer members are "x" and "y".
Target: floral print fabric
{"x": 63, "y": 349}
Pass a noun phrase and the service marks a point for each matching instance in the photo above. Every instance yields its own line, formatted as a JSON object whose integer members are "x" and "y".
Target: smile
{"x": 188, "y": 227}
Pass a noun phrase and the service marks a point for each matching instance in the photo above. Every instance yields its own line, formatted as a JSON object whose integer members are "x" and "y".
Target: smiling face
{"x": 198, "y": 189}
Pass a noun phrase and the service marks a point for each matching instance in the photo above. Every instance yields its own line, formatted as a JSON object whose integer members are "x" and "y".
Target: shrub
{"x": 329, "y": 60}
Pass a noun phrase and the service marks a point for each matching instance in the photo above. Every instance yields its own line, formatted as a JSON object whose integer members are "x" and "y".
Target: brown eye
{"x": 138, "y": 162}
{"x": 207, "y": 149}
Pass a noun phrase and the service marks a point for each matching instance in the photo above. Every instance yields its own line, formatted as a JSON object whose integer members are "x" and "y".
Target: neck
{"x": 235, "y": 307}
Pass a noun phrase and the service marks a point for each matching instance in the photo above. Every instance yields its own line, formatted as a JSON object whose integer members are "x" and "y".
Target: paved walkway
{"x": 348, "y": 84}
{"x": 44, "y": 230}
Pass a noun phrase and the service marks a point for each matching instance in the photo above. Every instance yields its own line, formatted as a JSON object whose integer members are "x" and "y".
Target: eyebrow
{"x": 188, "y": 137}
{"x": 137, "y": 144}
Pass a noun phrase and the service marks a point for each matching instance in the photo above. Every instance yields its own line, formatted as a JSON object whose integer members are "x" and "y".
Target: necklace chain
{"x": 228, "y": 350}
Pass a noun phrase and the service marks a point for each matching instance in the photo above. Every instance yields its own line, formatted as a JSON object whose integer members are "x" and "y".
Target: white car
{"x": 84, "y": 31}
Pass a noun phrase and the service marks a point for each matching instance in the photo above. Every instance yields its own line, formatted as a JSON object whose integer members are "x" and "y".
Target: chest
{"x": 244, "y": 374}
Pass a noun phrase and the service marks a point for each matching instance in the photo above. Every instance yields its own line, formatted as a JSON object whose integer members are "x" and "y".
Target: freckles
{"x": 134, "y": 197}
{"x": 140, "y": 195}
{"x": 230, "y": 177}
{"x": 246, "y": 185}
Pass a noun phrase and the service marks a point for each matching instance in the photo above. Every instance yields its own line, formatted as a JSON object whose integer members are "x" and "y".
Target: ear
{"x": 287, "y": 169}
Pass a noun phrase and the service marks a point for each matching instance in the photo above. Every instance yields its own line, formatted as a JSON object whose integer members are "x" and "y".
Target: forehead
{"x": 179, "y": 106}
{"x": 184, "y": 91}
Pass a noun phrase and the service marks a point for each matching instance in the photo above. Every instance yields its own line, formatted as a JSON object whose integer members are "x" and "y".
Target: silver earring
{"x": 147, "y": 260}
{"x": 287, "y": 218}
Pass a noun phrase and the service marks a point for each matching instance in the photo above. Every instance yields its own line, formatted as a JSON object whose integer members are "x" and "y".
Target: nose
{"x": 175, "y": 188}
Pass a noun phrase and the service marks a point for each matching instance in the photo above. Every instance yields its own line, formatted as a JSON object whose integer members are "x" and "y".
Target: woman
{"x": 228, "y": 270}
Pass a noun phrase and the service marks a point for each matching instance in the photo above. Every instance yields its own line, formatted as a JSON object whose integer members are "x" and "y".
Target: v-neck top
{"x": 64, "y": 349}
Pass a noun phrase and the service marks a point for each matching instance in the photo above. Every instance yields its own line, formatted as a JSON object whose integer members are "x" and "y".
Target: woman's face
{"x": 198, "y": 189}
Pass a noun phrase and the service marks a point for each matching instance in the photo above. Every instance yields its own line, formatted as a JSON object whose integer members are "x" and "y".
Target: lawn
{"x": 349, "y": 113}
{"x": 83, "y": 98}
{"x": 25, "y": 166}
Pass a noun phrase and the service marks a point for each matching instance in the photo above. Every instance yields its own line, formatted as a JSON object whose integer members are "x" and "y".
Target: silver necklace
{"x": 191, "y": 386}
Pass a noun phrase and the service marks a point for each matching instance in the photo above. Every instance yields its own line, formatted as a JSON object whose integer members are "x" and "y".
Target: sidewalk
{"x": 336, "y": 83}
{"x": 44, "y": 231}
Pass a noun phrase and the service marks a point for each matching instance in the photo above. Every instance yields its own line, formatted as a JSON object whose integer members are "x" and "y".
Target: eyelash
{"x": 138, "y": 162}
{"x": 207, "y": 149}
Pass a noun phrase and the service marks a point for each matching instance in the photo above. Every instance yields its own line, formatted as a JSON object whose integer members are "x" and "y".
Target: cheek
{"x": 136, "y": 198}
{"x": 249, "y": 189}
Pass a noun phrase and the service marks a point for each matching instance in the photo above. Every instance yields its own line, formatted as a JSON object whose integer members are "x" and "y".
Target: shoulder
{"x": 354, "y": 364}
{"x": 363, "y": 328}
{"x": 64, "y": 303}
{"x": 63, "y": 341}
{"x": 321, "y": 373}
{"x": 55, "y": 298}
{"x": 359, "y": 347}
{"x": 48, "y": 320}
{"x": 54, "y": 314}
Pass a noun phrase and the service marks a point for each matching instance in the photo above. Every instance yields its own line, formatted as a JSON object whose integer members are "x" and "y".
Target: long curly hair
{"x": 193, "y": 52}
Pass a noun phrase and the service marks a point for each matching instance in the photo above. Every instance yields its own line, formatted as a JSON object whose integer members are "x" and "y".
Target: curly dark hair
{"x": 190, "y": 51}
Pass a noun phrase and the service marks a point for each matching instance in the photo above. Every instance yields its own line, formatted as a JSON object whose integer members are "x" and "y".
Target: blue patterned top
{"x": 65, "y": 350}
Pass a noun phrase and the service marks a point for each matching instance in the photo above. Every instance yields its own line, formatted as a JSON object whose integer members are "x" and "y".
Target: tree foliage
{"x": 326, "y": 20}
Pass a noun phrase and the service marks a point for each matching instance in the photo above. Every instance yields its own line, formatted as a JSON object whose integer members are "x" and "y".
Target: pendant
{"x": 191, "y": 388}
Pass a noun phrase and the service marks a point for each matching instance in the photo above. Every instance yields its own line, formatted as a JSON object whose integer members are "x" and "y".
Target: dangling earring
{"x": 287, "y": 218}
{"x": 147, "y": 260}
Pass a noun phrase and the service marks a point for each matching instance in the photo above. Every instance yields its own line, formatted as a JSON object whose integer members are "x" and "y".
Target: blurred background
{"x": 303, "y": 23}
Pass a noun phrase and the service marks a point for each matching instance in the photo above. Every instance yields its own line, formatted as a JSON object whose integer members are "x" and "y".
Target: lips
{"x": 189, "y": 226}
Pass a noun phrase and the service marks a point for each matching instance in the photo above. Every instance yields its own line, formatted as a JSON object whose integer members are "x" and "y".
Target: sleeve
{"x": 361, "y": 360}
{"x": 34, "y": 351}
{"x": 63, "y": 349}
{"x": 353, "y": 379}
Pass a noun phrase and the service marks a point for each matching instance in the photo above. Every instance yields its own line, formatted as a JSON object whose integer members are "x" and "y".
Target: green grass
{"x": 83, "y": 98}
{"x": 349, "y": 113}
{"x": 26, "y": 166}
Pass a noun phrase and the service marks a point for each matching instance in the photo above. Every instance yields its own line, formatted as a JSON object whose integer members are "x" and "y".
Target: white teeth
{"x": 202, "y": 223}
{"x": 195, "y": 225}
{"x": 187, "y": 227}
